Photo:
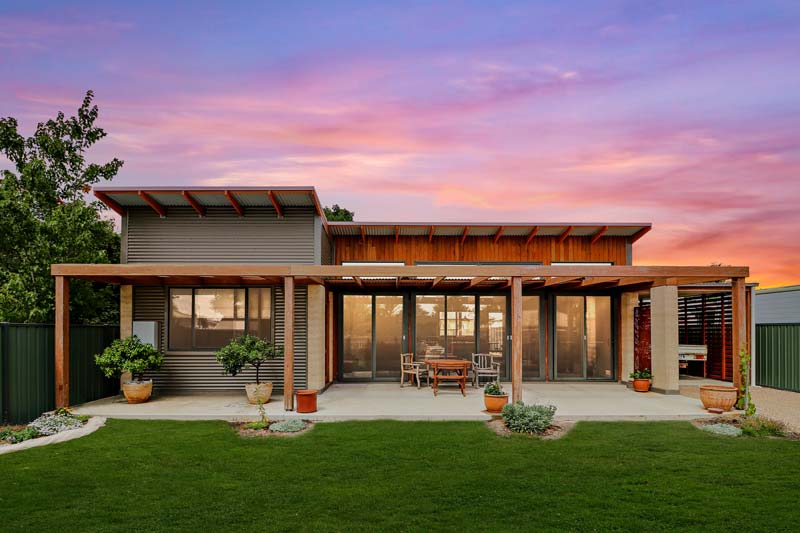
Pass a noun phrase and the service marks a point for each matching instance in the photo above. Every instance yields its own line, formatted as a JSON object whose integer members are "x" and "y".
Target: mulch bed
{"x": 736, "y": 420}
{"x": 555, "y": 431}
{"x": 246, "y": 432}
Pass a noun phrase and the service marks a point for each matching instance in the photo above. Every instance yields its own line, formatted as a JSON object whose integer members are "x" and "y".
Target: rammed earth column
{"x": 628, "y": 303}
{"x": 664, "y": 338}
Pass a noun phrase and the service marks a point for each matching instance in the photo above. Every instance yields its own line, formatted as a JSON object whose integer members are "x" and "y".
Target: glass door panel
{"x": 569, "y": 341}
{"x": 531, "y": 367}
{"x": 388, "y": 336}
{"x": 430, "y": 326}
{"x": 461, "y": 326}
{"x": 357, "y": 336}
{"x": 493, "y": 325}
{"x": 599, "y": 356}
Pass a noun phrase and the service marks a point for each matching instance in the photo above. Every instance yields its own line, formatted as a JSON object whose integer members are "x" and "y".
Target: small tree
{"x": 339, "y": 214}
{"x": 129, "y": 355}
{"x": 745, "y": 401}
{"x": 244, "y": 351}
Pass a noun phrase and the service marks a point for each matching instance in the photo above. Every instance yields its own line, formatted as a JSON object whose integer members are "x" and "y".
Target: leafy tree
{"x": 129, "y": 355}
{"x": 337, "y": 213}
{"x": 45, "y": 219}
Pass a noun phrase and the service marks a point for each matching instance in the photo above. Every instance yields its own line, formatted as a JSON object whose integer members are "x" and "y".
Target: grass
{"x": 166, "y": 475}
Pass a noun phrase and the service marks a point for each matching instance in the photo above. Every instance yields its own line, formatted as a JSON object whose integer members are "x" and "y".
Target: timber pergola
{"x": 510, "y": 277}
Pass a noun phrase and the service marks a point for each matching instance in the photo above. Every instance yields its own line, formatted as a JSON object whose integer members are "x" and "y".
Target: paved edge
{"x": 407, "y": 418}
{"x": 94, "y": 423}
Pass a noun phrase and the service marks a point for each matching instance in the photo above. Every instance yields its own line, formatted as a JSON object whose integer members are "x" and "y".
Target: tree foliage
{"x": 45, "y": 219}
{"x": 129, "y": 355}
{"x": 339, "y": 214}
{"x": 244, "y": 351}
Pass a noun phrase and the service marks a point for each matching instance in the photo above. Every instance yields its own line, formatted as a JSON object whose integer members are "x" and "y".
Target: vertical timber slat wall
{"x": 778, "y": 360}
{"x": 28, "y": 368}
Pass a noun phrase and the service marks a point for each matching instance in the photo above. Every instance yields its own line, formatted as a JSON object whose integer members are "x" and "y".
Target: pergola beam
{"x": 157, "y": 207}
{"x": 561, "y": 280}
{"x": 275, "y": 203}
{"x": 199, "y": 209}
{"x": 234, "y": 203}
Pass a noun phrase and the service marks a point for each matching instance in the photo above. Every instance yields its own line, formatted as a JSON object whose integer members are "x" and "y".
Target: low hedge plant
{"x": 532, "y": 419}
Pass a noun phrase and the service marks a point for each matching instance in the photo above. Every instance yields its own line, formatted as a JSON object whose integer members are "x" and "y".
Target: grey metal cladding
{"x": 326, "y": 257}
{"x": 221, "y": 236}
{"x": 200, "y": 371}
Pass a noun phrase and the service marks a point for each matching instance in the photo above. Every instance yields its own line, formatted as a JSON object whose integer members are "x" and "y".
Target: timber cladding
{"x": 410, "y": 249}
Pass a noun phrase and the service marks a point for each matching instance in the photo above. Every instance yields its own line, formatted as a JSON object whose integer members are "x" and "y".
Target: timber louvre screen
{"x": 778, "y": 356}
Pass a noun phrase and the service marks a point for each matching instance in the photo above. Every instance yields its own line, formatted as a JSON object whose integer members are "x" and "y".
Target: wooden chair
{"x": 412, "y": 368}
{"x": 484, "y": 365}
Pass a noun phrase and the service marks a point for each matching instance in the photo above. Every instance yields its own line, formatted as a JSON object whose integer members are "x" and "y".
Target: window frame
{"x": 193, "y": 350}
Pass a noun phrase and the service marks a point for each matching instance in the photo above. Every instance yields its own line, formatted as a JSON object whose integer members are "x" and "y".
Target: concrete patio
{"x": 370, "y": 401}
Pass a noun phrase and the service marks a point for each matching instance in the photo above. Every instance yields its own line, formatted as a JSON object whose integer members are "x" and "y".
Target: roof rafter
{"x": 199, "y": 209}
{"x": 639, "y": 234}
{"x": 358, "y": 281}
{"x": 275, "y": 203}
{"x": 563, "y": 236}
{"x": 437, "y": 280}
{"x": 499, "y": 233}
{"x": 430, "y": 233}
{"x": 476, "y": 281}
{"x": 531, "y": 235}
{"x": 396, "y": 234}
{"x": 599, "y": 234}
{"x": 464, "y": 234}
{"x": 363, "y": 235}
{"x": 157, "y": 207}
{"x": 236, "y": 206}
{"x": 112, "y": 204}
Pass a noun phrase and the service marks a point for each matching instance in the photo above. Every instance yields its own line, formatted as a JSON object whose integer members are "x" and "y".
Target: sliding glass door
{"x": 372, "y": 336}
{"x": 532, "y": 364}
{"x": 583, "y": 341}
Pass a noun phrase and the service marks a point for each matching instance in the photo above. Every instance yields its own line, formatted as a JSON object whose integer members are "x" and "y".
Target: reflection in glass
{"x": 180, "y": 319}
{"x": 388, "y": 335}
{"x": 430, "y": 326}
{"x": 493, "y": 325}
{"x": 259, "y": 315}
{"x": 357, "y": 336}
{"x": 218, "y": 317}
{"x": 461, "y": 326}
{"x": 569, "y": 336}
{"x": 599, "y": 359}
{"x": 530, "y": 337}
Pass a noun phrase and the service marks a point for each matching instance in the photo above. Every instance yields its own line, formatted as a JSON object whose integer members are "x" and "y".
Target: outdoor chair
{"x": 414, "y": 369}
{"x": 484, "y": 365}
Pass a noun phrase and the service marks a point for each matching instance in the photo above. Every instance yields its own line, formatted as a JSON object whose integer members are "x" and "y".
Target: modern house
{"x": 554, "y": 301}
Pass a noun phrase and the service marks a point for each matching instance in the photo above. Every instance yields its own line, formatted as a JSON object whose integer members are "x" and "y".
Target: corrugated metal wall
{"x": 220, "y": 237}
{"x": 27, "y": 362}
{"x": 777, "y": 306}
{"x": 200, "y": 371}
{"x": 778, "y": 356}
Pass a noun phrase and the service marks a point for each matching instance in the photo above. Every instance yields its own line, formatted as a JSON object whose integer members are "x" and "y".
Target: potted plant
{"x": 642, "y": 380}
{"x": 494, "y": 397}
{"x": 249, "y": 350}
{"x": 131, "y": 355}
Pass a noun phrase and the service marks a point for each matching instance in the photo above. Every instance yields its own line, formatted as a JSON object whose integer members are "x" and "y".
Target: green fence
{"x": 27, "y": 368}
{"x": 778, "y": 356}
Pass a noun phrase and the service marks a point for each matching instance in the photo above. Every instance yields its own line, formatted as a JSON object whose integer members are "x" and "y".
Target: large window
{"x": 208, "y": 319}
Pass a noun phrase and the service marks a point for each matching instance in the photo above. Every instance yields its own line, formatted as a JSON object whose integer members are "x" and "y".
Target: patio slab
{"x": 373, "y": 401}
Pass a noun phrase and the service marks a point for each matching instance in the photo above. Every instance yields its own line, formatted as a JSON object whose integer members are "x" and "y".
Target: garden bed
{"x": 553, "y": 432}
{"x": 52, "y": 427}
{"x": 277, "y": 428}
{"x": 739, "y": 425}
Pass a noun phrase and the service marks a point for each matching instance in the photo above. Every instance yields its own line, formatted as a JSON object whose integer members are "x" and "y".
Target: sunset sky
{"x": 683, "y": 114}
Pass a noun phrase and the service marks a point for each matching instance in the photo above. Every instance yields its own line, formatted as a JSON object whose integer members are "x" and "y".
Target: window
{"x": 208, "y": 319}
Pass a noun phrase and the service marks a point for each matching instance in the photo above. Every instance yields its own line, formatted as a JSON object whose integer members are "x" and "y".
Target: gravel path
{"x": 772, "y": 403}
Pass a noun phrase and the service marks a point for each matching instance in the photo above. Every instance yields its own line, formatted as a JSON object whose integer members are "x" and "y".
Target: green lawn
{"x": 401, "y": 476}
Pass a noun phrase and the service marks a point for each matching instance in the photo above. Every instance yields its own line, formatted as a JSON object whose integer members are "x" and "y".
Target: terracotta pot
{"x": 306, "y": 401}
{"x": 137, "y": 391}
{"x": 641, "y": 385}
{"x": 718, "y": 397}
{"x": 495, "y": 403}
{"x": 258, "y": 391}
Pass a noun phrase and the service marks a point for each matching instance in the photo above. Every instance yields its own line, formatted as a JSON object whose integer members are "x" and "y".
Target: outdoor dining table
{"x": 449, "y": 370}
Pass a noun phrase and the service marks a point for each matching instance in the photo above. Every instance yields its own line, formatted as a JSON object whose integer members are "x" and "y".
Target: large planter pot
{"x": 718, "y": 397}
{"x": 641, "y": 385}
{"x": 495, "y": 403}
{"x": 258, "y": 392}
{"x": 306, "y": 401}
{"x": 137, "y": 391}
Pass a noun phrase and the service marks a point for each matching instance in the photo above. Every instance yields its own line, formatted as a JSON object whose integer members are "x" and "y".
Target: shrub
{"x": 52, "y": 423}
{"x": 246, "y": 350}
{"x": 13, "y": 436}
{"x": 642, "y": 374}
{"x": 293, "y": 425}
{"x": 757, "y": 426}
{"x": 494, "y": 388}
{"x": 725, "y": 430}
{"x": 129, "y": 355}
{"x": 531, "y": 419}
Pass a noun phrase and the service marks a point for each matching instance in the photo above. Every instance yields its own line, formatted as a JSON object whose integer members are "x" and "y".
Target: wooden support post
{"x": 62, "y": 341}
{"x": 330, "y": 337}
{"x": 288, "y": 343}
{"x": 738, "y": 326}
{"x": 516, "y": 339}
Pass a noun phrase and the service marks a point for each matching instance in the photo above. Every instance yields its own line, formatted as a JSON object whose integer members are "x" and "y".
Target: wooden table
{"x": 449, "y": 370}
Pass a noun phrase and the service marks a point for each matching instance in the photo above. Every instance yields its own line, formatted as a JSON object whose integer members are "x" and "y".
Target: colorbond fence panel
{"x": 27, "y": 368}
{"x": 778, "y": 356}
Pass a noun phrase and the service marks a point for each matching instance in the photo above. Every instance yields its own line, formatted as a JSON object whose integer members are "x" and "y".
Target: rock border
{"x": 265, "y": 433}
{"x": 91, "y": 425}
